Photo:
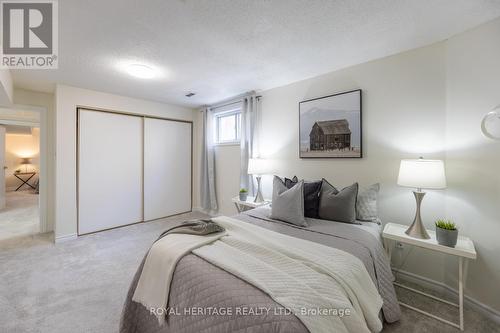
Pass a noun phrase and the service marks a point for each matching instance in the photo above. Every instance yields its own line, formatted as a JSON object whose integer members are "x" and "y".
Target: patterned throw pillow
{"x": 366, "y": 207}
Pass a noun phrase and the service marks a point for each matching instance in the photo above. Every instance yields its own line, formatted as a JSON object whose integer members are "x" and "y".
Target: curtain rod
{"x": 228, "y": 102}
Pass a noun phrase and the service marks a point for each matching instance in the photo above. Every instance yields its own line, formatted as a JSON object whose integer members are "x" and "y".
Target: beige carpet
{"x": 20, "y": 217}
{"x": 80, "y": 285}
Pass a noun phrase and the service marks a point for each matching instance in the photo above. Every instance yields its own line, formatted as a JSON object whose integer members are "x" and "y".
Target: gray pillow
{"x": 366, "y": 207}
{"x": 288, "y": 204}
{"x": 337, "y": 205}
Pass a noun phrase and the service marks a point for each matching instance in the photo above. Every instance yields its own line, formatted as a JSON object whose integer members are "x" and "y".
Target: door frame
{"x": 44, "y": 170}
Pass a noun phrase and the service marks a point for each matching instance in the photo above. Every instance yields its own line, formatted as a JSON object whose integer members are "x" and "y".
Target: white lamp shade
{"x": 258, "y": 166}
{"x": 422, "y": 174}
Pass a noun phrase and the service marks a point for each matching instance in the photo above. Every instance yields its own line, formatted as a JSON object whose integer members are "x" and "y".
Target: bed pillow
{"x": 311, "y": 195}
{"x": 338, "y": 205}
{"x": 288, "y": 204}
{"x": 366, "y": 206}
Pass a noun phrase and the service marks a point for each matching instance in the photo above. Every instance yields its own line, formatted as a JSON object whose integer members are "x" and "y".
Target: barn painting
{"x": 330, "y": 127}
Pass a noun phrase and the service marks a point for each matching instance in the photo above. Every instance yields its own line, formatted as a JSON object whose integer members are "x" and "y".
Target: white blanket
{"x": 298, "y": 274}
{"x": 153, "y": 286}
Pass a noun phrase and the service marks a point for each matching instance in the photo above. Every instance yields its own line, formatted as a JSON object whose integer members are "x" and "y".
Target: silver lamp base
{"x": 258, "y": 196}
{"x": 417, "y": 229}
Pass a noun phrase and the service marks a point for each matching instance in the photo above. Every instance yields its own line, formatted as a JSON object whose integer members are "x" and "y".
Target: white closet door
{"x": 110, "y": 170}
{"x": 167, "y": 168}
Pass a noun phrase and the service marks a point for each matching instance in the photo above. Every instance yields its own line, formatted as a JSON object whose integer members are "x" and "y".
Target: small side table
{"x": 25, "y": 181}
{"x": 463, "y": 250}
{"x": 242, "y": 206}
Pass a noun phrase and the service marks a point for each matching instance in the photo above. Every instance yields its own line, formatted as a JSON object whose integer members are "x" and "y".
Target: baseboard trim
{"x": 437, "y": 286}
{"x": 64, "y": 238}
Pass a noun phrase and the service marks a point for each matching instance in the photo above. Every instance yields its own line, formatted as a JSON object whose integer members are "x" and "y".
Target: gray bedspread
{"x": 205, "y": 298}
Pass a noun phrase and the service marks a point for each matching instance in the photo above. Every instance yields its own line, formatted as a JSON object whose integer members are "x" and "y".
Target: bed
{"x": 199, "y": 286}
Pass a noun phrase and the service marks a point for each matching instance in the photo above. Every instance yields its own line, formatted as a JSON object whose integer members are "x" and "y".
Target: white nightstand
{"x": 463, "y": 250}
{"x": 242, "y": 206}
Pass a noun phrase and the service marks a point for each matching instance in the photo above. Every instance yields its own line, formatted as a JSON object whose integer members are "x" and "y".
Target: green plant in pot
{"x": 243, "y": 194}
{"x": 446, "y": 233}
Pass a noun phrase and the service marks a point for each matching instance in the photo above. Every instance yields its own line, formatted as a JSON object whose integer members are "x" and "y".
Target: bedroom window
{"x": 227, "y": 127}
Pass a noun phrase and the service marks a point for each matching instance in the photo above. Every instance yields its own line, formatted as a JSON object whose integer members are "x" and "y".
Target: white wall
{"x": 197, "y": 146}
{"x": 6, "y": 87}
{"x": 424, "y": 102}
{"x": 2, "y": 161}
{"x": 404, "y": 103}
{"x": 67, "y": 99}
{"x": 47, "y": 147}
{"x": 473, "y": 161}
{"x": 403, "y": 117}
{"x": 399, "y": 91}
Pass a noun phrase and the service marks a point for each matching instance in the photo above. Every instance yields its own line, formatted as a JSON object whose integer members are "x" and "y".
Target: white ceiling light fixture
{"x": 141, "y": 71}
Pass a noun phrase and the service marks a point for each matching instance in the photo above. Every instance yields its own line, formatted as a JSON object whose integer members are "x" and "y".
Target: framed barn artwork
{"x": 330, "y": 126}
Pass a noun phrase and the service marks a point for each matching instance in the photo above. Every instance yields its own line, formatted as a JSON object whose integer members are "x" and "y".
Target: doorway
{"x": 22, "y": 164}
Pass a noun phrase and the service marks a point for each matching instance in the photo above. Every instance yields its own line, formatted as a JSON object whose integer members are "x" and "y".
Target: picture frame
{"x": 331, "y": 126}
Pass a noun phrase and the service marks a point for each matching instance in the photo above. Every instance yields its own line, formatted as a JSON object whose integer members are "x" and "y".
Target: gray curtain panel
{"x": 248, "y": 139}
{"x": 208, "y": 196}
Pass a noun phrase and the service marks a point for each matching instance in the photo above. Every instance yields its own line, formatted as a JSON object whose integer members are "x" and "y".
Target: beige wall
{"x": 18, "y": 146}
{"x": 424, "y": 102}
{"x": 67, "y": 99}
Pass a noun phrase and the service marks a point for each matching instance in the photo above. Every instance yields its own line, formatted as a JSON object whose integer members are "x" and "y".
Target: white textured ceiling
{"x": 222, "y": 48}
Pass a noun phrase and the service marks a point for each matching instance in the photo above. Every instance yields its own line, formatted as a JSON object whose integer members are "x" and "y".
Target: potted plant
{"x": 446, "y": 233}
{"x": 243, "y": 194}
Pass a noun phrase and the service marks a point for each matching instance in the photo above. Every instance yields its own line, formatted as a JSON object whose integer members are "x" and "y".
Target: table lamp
{"x": 421, "y": 174}
{"x": 25, "y": 161}
{"x": 258, "y": 167}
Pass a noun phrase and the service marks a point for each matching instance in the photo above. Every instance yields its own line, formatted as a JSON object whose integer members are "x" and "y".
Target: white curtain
{"x": 249, "y": 145}
{"x": 208, "y": 195}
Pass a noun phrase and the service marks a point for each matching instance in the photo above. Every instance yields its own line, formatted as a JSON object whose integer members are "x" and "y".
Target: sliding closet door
{"x": 167, "y": 168}
{"x": 109, "y": 170}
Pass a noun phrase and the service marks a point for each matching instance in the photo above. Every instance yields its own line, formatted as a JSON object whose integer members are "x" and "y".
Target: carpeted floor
{"x": 80, "y": 285}
{"x": 20, "y": 217}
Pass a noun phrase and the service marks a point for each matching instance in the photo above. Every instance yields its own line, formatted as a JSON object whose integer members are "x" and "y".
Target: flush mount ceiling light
{"x": 140, "y": 71}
